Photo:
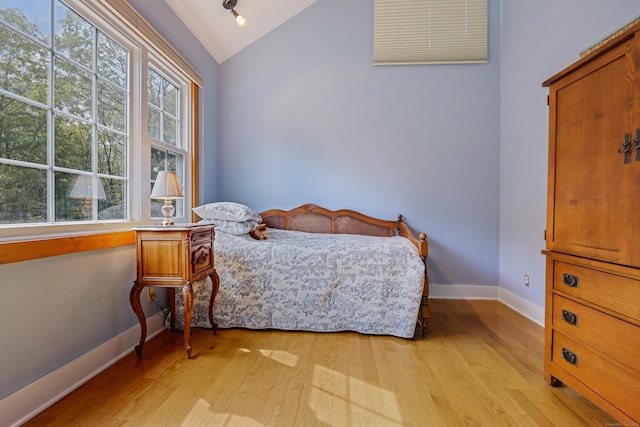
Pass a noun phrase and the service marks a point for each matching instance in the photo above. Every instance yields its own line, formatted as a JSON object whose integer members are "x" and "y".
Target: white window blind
{"x": 429, "y": 31}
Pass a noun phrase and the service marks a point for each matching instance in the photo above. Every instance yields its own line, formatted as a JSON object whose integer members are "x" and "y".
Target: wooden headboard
{"x": 315, "y": 219}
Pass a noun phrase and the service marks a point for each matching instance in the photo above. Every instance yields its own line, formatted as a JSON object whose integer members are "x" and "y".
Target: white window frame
{"x": 143, "y": 51}
{"x": 184, "y": 148}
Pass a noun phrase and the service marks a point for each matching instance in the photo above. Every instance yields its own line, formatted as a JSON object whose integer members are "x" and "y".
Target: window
{"x": 63, "y": 119}
{"x": 168, "y": 150}
{"x": 81, "y": 135}
{"x": 430, "y": 31}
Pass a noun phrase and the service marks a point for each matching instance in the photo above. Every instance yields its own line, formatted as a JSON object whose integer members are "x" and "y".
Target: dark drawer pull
{"x": 201, "y": 236}
{"x": 569, "y": 317}
{"x": 570, "y": 280}
{"x": 570, "y": 356}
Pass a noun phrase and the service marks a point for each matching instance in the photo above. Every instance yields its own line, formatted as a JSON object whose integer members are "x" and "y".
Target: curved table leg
{"x": 187, "y": 294}
{"x": 215, "y": 284}
{"x": 134, "y": 299}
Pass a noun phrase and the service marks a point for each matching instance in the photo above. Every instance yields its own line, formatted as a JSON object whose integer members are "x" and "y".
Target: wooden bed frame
{"x": 315, "y": 219}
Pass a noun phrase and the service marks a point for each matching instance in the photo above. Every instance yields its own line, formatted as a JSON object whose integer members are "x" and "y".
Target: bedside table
{"x": 174, "y": 257}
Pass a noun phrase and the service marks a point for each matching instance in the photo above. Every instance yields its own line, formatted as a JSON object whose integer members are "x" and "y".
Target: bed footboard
{"x": 315, "y": 219}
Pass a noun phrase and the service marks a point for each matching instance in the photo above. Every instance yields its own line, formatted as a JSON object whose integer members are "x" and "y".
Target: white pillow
{"x": 232, "y": 227}
{"x": 227, "y": 211}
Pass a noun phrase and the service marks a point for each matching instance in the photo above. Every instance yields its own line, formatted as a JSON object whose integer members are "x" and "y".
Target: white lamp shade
{"x": 83, "y": 188}
{"x": 166, "y": 186}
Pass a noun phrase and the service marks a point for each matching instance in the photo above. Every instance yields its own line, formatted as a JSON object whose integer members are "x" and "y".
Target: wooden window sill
{"x": 42, "y": 248}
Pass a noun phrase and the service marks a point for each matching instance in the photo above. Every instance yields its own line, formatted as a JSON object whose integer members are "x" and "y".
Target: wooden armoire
{"x": 592, "y": 321}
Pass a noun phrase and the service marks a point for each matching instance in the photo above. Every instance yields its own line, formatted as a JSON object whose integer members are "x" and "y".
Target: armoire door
{"x": 592, "y": 160}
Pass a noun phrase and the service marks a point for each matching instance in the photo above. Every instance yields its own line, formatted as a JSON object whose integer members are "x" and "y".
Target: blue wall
{"x": 460, "y": 150}
{"x": 539, "y": 39}
{"x": 306, "y": 117}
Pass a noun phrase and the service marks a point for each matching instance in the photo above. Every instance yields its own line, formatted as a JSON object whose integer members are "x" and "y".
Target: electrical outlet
{"x": 152, "y": 294}
{"x": 526, "y": 280}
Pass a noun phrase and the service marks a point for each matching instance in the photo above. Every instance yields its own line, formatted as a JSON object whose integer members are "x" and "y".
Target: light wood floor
{"x": 481, "y": 366}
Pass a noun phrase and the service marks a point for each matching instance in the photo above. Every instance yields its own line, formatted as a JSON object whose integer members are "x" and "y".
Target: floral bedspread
{"x": 312, "y": 282}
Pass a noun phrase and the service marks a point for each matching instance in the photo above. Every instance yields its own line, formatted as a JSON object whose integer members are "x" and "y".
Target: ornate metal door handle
{"x": 625, "y": 148}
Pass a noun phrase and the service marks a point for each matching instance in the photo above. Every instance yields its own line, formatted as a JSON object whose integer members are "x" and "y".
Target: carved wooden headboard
{"x": 316, "y": 219}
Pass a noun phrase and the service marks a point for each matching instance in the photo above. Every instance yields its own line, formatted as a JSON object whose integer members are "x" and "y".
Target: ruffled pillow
{"x": 227, "y": 211}
{"x": 232, "y": 227}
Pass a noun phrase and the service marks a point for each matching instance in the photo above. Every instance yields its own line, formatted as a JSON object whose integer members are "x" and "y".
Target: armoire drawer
{"x": 614, "y": 337}
{"x": 615, "y": 292}
{"x": 617, "y": 385}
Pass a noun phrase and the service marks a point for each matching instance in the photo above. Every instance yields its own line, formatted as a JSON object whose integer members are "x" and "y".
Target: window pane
{"x": 113, "y": 205}
{"x": 170, "y": 100}
{"x": 112, "y": 106}
{"x": 111, "y": 153}
{"x": 72, "y": 89}
{"x": 70, "y": 208}
{"x": 170, "y": 130}
{"x": 23, "y": 195}
{"x": 153, "y": 117}
{"x": 73, "y": 36}
{"x": 112, "y": 61}
{"x": 30, "y": 16}
{"x": 23, "y": 131}
{"x": 73, "y": 143}
{"x": 175, "y": 163}
{"x": 156, "y": 206}
{"x": 158, "y": 162}
{"x": 154, "y": 88}
{"x": 163, "y": 121}
{"x": 24, "y": 66}
{"x": 75, "y": 196}
{"x": 163, "y": 160}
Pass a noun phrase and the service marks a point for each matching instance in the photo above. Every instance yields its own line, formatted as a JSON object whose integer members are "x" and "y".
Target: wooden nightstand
{"x": 174, "y": 257}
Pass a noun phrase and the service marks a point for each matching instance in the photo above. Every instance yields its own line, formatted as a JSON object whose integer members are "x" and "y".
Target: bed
{"x": 317, "y": 270}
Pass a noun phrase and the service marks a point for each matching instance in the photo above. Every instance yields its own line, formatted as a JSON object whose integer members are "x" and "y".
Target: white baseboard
{"x": 531, "y": 311}
{"x": 26, "y": 403}
{"x": 528, "y": 309}
{"x": 463, "y": 292}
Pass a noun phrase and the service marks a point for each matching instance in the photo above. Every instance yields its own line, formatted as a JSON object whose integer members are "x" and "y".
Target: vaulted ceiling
{"x": 215, "y": 27}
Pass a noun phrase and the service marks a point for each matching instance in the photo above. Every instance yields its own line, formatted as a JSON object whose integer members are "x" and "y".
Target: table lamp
{"x": 167, "y": 187}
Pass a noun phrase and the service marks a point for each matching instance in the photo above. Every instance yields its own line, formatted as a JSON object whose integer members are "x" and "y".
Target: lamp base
{"x": 167, "y": 211}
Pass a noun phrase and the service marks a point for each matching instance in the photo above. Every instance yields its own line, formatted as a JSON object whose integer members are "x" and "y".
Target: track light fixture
{"x": 230, "y": 5}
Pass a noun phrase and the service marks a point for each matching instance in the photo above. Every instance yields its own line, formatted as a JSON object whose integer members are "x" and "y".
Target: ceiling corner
{"x": 217, "y": 31}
